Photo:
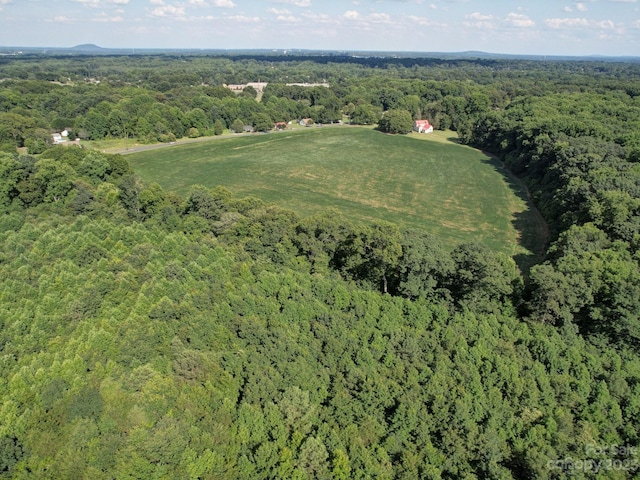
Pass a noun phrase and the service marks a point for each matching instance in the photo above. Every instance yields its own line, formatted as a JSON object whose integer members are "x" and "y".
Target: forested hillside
{"x": 144, "y": 334}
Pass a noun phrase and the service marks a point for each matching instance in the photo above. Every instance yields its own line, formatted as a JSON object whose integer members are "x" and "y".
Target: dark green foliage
{"x": 204, "y": 202}
{"x": 480, "y": 277}
{"x": 83, "y": 199}
{"x": 369, "y": 254}
{"x": 261, "y": 122}
{"x": 9, "y": 176}
{"x": 423, "y": 267}
{"x": 118, "y": 166}
{"x": 95, "y": 167}
{"x": 365, "y": 114}
{"x": 10, "y": 453}
{"x": 87, "y": 403}
{"x": 396, "y": 121}
{"x": 129, "y": 188}
{"x": 591, "y": 280}
{"x": 218, "y": 128}
{"x": 320, "y": 236}
{"x": 237, "y": 126}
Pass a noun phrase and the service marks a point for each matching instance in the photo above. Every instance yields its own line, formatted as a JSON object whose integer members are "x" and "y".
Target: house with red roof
{"x": 422, "y": 126}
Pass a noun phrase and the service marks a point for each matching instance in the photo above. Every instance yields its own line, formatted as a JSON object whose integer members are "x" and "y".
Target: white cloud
{"x": 243, "y": 19}
{"x": 107, "y": 19}
{"x": 581, "y": 7}
{"x": 317, "y": 17}
{"x": 88, "y": 3}
{"x": 559, "y": 23}
{"x": 567, "y": 9}
{"x": 478, "y": 20}
{"x": 519, "y": 20}
{"x": 62, "y": 19}
{"x": 297, "y": 3}
{"x": 420, "y": 20}
{"x": 566, "y": 22}
{"x": 277, "y": 11}
{"x": 156, "y": 2}
{"x": 198, "y": 3}
{"x": 351, "y": 15}
{"x": 168, "y": 11}
{"x": 224, "y": 3}
{"x": 101, "y": 3}
{"x": 479, "y": 17}
{"x": 379, "y": 18}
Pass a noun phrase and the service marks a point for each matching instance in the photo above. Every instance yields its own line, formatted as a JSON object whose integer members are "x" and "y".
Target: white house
{"x": 422, "y": 126}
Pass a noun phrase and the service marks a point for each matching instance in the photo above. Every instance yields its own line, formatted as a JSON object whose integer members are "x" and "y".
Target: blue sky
{"x": 546, "y": 27}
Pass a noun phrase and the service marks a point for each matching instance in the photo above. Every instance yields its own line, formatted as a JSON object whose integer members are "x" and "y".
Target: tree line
{"x": 164, "y": 98}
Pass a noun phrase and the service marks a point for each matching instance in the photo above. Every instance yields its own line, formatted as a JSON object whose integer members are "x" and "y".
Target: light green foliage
{"x": 56, "y": 179}
{"x": 151, "y": 200}
{"x": 94, "y": 166}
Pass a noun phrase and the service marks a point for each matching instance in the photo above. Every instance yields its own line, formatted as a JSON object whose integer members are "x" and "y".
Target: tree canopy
{"x": 144, "y": 334}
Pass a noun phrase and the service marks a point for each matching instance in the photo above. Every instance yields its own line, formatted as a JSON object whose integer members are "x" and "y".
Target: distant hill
{"x": 92, "y": 49}
{"x": 87, "y": 47}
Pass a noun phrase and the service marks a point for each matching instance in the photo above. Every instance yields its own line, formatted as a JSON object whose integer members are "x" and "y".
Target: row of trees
{"x": 31, "y": 110}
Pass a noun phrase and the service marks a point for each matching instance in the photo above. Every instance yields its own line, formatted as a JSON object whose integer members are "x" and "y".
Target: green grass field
{"x": 423, "y": 181}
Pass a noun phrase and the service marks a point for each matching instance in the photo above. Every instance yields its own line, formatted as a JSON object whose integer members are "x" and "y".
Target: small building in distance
{"x": 258, "y": 86}
{"x": 62, "y": 138}
{"x": 422, "y": 126}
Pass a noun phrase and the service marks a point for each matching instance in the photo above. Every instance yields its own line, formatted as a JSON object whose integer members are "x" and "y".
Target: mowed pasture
{"x": 427, "y": 182}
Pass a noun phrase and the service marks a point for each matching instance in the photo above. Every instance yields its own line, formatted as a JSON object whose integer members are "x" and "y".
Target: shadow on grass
{"x": 530, "y": 224}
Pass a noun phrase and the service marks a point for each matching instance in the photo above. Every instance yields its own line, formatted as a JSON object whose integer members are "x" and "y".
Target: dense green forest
{"x": 145, "y": 334}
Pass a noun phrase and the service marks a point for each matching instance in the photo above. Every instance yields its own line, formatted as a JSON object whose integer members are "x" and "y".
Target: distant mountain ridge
{"x": 87, "y": 47}
{"x": 92, "y": 49}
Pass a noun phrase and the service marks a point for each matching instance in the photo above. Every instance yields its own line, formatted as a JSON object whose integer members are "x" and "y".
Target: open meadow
{"x": 427, "y": 182}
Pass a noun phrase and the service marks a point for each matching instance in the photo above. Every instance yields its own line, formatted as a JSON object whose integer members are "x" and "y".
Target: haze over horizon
{"x": 548, "y": 27}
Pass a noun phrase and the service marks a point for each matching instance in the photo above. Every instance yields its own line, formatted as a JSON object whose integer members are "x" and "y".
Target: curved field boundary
{"x": 455, "y": 192}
